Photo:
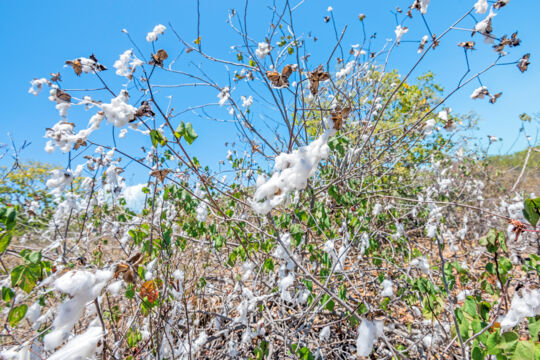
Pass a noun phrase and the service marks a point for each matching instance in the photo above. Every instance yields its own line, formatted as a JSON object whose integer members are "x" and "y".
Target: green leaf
{"x": 525, "y": 117}
{"x": 508, "y": 341}
{"x": 477, "y": 353}
{"x": 34, "y": 257}
{"x": 7, "y": 294}
{"x": 190, "y": 135}
{"x": 26, "y": 276}
{"x": 470, "y": 306}
{"x": 330, "y": 305}
{"x": 534, "y": 327}
{"x": 531, "y": 210}
{"x": 186, "y": 131}
{"x": 130, "y": 291}
{"x": 492, "y": 342}
{"x": 524, "y": 351}
{"x": 17, "y": 314}
{"x": 5, "y": 239}
{"x": 297, "y": 232}
{"x": 157, "y": 138}
{"x": 464, "y": 328}
{"x": 11, "y": 214}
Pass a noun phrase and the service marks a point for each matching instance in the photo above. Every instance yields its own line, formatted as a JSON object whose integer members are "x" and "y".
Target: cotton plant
{"x": 355, "y": 194}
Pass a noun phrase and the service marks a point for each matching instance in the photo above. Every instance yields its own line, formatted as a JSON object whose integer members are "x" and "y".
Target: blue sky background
{"x": 38, "y": 37}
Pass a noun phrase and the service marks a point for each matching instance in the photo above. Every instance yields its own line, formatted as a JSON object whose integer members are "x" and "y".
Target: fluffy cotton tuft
{"x": 484, "y": 26}
{"x": 224, "y": 95}
{"x": 126, "y": 64}
{"x": 202, "y": 211}
{"x": 481, "y": 6}
{"x": 81, "y": 347}
{"x": 324, "y": 335}
{"x": 479, "y": 93}
{"x": 424, "y": 5}
{"x": 388, "y": 290}
{"x": 37, "y": 85}
{"x": 292, "y": 173}
{"x": 521, "y": 307}
{"x": 421, "y": 263}
{"x": 428, "y": 127}
{"x": 83, "y": 287}
{"x": 400, "y": 31}
{"x": 347, "y": 70}
{"x": 263, "y": 49}
{"x": 119, "y": 112}
{"x": 153, "y": 35}
{"x": 368, "y": 333}
{"x": 443, "y": 115}
{"x": 59, "y": 179}
{"x": 246, "y": 102}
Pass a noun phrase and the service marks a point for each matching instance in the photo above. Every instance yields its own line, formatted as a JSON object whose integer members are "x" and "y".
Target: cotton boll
{"x": 37, "y": 85}
{"x": 263, "y": 49}
{"x": 59, "y": 179}
{"x": 224, "y": 95}
{"x": 421, "y": 263}
{"x": 400, "y": 31}
{"x": 347, "y": 70}
{"x": 283, "y": 285}
{"x": 153, "y": 35}
{"x": 199, "y": 342}
{"x": 126, "y": 64}
{"x": 364, "y": 243}
{"x": 422, "y": 45}
{"x": 202, "y": 211}
{"x": 521, "y": 307}
{"x": 400, "y": 230}
{"x": 246, "y": 102}
{"x": 479, "y": 93}
{"x": 427, "y": 340}
{"x": 428, "y": 127}
{"x": 119, "y": 112}
{"x": 62, "y": 136}
{"x": 247, "y": 270}
{"x": 484, "y": 26}
{"x": 303, "y": 297}
{"x": 83, "y": 287}
{"x": 443, "y": 115}
{"x": 33, "y": 312}
{"x": 388, "y": 290}
{"x": 329, "y": 247}
{"x": 81, "y": 347}
{"x": 324, "y": 335}
{"x": 424, "y": 6}
{"x": 481, "y": 6}
{"x": 463, "y": 294}
{"x": 368, "y": 333}
{"x": 291, "y": 173}
{"x": 115, "y": 287}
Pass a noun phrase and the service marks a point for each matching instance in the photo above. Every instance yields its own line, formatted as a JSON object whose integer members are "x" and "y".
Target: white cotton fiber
{"x": 81, "y": 347}
{"x": 521, "y": 307}
{"x": 368, "y": 333}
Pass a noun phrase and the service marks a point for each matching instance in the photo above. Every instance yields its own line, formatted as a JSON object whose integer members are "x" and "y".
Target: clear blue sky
{"x": 38, "y": 36}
